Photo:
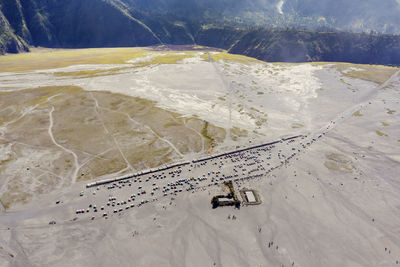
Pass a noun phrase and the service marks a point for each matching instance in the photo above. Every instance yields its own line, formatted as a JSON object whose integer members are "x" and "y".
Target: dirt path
{"x": 97, "y": 107}
{"x": 350, "y": 111}
{"x": 76, "y": 163}
{"x": 228, "y": 98}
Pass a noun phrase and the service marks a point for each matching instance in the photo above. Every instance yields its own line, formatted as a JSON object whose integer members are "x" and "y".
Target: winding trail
{"x": 76, "y": 163}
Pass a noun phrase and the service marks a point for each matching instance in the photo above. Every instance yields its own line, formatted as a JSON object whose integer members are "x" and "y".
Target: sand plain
{"x": 334, "y": 204}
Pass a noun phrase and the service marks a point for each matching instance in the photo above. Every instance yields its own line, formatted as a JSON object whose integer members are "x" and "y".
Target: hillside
{"x": 302, "y": 46}
{"x": 122, "y": 23}
{"x": 355, "y": 15}
{"x": 9, "y": 42}
{"x": 76, "y": 23}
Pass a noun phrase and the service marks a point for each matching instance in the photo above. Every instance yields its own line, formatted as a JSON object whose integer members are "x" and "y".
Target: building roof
{"x": 250, "y": 196}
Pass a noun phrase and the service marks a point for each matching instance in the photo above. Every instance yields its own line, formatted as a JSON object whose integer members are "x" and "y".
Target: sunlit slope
{"x": 48, "y": 59}
{"x": 41, "y": 59}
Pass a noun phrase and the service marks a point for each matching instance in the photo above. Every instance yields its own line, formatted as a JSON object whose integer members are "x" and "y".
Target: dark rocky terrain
{"x": 260, "y": 29}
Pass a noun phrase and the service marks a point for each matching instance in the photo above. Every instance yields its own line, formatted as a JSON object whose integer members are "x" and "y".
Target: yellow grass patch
{"x": 237, "y": 133}
{"x": 172, "y": 58}
{"x": 58, "y": 58}
{"x": 381, "y": 133}
{"x": 90, "y": 73}
{"x": 231, "y": 57}
{"x": 165, "y": 57}
{"x": 36, "y": 96}
{"x": 297, "y": 125}
{"x": 338, "y": 162}
{"x": 373, "y": 73}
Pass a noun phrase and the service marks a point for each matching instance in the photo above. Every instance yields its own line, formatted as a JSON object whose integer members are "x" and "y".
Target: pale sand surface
{"x": 334, "y": 203}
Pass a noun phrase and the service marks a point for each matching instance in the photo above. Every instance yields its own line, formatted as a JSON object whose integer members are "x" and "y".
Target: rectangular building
{"x": 250, "y": 196}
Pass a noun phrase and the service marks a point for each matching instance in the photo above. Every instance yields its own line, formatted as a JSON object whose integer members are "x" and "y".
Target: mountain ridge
{"x": 112, "y": 23}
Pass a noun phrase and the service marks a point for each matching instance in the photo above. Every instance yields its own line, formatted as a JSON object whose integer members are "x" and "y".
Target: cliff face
{"x": 23, "y": 23}
{"x": 292, "y": 45}
{"x": 9, "y": 42}
{"x": 72, "y": 23}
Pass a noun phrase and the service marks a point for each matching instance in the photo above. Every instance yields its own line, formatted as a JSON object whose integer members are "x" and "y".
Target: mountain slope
{"x": 9, "y": 42}
{"x": 355, "y": 15}
{"x": 75, "y": 23}
{"x": 301, "y": 46}
{"x": 118, "y": 23}
{"x": 98, "y": 23}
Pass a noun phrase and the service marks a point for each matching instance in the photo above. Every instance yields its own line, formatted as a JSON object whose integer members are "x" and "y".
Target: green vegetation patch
{"x": 381, "y": 133}
{"x": 358, "y": 113}
{"x": 204, "y": 133}
{"x": 338, "y": 162}
{"x": 390, "y": 111}
{"x": 338, "y": 158}
{"x": 297, "y": 125}
{"x": 236, "y": 133}
{"x": 334, "y": 166}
